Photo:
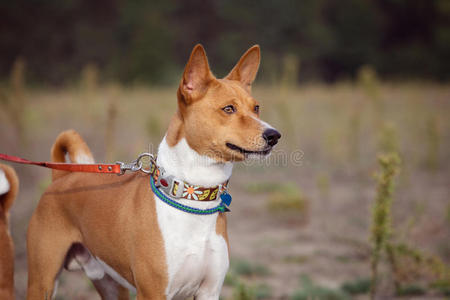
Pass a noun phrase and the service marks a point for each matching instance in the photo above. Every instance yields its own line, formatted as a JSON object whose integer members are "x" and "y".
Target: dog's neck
{"x": 186, "y": 164}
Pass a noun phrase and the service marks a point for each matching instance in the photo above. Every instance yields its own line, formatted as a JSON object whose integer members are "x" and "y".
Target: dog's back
{"x": 8, "y": 192}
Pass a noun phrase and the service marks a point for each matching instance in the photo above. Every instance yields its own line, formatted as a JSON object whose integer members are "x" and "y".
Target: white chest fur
{"x": 196, "y": 256}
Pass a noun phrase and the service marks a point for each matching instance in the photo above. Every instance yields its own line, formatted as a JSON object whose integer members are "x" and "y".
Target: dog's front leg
{"x": 217, "y": 269}
{"x": 211, "y": 287}
{"x": 150, "y": 280}
{"x": 209, "y": 291}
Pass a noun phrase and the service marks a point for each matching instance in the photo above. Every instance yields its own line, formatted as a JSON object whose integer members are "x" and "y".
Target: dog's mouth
{"x": 265, "y": 151}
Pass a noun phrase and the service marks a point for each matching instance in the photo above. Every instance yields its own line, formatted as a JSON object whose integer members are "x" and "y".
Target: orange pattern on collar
{"x": 188, "y": 192}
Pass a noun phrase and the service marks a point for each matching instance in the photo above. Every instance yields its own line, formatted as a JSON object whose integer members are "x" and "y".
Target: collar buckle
{"x": 180, "y": 188}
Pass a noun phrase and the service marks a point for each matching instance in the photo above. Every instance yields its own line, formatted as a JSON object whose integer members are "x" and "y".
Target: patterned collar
{"x": 168, "y": 187}
{"x": 179, "y": 189}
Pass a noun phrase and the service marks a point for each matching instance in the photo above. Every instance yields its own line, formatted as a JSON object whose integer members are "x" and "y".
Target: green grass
{"x": 231, "y": 279}
{"x": 282, "y": 197}
{"x": 443, "y": 286}
{"x": 262, "y": 291}
{"x": 265, "y": 187}
{"x": 357, "y": 286}
{"x": 289, "y": 197}
{"x": 309, "y": 290}
{"x": 246, "y": 268}
{"x": 411, "y": 290}
{"x": 240, "y": 272}
{"x": 243, "y": 292}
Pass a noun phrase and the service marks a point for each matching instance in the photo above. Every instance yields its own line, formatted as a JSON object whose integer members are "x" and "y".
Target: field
{"x": 300, "y": 221}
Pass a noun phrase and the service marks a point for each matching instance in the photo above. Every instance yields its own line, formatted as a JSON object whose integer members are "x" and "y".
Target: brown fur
{"x": 6, "y": 242}
{"x": 201, "y": 98}
{"x": 96, "y": 210}
{"x": 68, "y": 142}
{"x": 115, "y": 216}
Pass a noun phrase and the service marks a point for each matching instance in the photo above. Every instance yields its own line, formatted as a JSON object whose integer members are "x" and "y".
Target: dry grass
{"x": 337, "y": 131}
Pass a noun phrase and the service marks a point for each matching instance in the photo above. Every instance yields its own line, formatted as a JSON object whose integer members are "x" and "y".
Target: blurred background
{"x": 355, "y": 201}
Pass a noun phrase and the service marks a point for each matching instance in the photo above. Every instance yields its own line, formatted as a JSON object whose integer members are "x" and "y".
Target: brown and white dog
{"x": 119, "y": 232}
{"x": 9, "y": 185}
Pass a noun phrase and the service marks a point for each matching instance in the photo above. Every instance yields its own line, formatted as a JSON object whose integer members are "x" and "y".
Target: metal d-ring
{"x": 136, "y": 165}
{"x": 139, "y": 162}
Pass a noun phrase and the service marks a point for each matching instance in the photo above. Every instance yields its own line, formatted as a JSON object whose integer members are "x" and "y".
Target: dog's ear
{"x": 196, "y": 76}
{"x": 246, "y": 69}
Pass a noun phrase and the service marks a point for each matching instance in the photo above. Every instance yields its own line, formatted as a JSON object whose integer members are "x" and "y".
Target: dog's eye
{"x": 256, "y": 109}
{"x": 229, "y": 109}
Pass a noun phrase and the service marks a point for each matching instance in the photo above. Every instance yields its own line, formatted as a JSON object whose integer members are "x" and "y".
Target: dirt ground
{"x": 328, "y": 239}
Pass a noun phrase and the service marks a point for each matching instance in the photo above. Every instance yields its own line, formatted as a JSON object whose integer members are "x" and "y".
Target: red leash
{"x": 91, "y": 168}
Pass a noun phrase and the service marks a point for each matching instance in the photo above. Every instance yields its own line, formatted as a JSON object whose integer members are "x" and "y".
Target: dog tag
{"x": 226, "y": 198}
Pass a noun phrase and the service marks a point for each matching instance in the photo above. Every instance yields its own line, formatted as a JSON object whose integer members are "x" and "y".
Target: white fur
{"x": 95, "y": 269}
{"x": 4, "y": 183}
{"x": 186, "y": 164}
{"x": 114, "y": 275}
{"x": 83, "y": 158}
{"x": 263, "y": 124}
{"x": 55, "y": 289}
{"x": 196, "y": 256}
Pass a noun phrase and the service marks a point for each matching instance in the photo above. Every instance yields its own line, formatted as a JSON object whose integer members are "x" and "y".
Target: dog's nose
{"x": 271, "y": 136}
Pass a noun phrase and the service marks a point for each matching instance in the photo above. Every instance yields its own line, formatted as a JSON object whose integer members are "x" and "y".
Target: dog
{"x": 9, "y": 185}
{"x": 119, "y": 230}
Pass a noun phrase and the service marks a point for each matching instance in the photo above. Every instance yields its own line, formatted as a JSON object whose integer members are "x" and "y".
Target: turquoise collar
{"x": 222, "y": 207}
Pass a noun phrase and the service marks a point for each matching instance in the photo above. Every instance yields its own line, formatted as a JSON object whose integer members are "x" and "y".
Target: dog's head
{"x": 220, "y": 117}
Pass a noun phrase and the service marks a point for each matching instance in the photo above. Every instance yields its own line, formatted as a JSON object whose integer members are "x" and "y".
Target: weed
{"x": 282, "y": 197}
{"x": 246, "y": 268}
{"x": 413, "y": 264}
{"x": 388, "y": 139}
{"x": 369, "y": 82}
{"x": 381, "y": 214}
{"x": 358, "y": 286}
{"x": 288, "y": 201}
{"x": 263, "y": 187}
{"x": 443, "y": 286}
{"x": 262, "y": 291}
{"x": 411, "y": 290}
{"x": 288, "y": 198}
{"x": 311, "y": 291}
{"x": 243, "y": 292}
{"x": 231, "y": 279}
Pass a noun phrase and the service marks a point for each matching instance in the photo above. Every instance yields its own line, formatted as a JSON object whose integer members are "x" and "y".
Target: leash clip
{"x": 132, "y": 166}
{"x": 136, "y": 165}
